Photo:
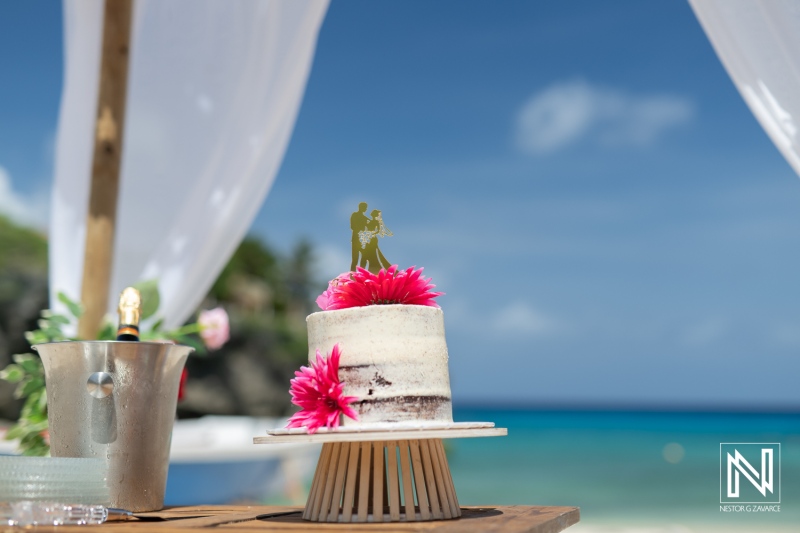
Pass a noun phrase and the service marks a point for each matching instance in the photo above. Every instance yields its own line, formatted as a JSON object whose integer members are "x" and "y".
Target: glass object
{"x": 61, "y": 479}
{"x": 40, "y": 513}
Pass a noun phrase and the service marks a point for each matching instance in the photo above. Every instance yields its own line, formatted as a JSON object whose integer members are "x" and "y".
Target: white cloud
{"x": 521, "y": 319}
{"x": 26, "y": 210}
{"x": 568, "y": 112}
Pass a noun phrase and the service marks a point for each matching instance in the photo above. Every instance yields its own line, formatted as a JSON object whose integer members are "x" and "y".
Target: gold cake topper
{"x": 364, "y": 240}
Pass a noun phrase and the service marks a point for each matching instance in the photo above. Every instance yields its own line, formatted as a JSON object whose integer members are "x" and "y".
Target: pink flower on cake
{"x": 214, "y": 328}
{"x": 319, "y": 393}
{"x": 325, "y": 299}
{"x": 392, "y": 286}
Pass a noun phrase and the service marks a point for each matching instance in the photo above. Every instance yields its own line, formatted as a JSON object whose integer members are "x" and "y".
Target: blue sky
{"x": 608, "y": 220}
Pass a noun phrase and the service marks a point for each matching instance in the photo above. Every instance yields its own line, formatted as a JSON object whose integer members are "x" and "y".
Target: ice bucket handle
{"x": 100, "y": 384}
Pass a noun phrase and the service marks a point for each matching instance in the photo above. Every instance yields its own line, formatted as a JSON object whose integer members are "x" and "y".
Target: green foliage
{"x": 252, "y": 259}
{"x": 299, "y": 278}
{"x": 108, "y": 332}
{"x": 28, "y": 375}
{"x": 268, "y": 296}
{"x": 22, "y": 248}
{"x": 151, "y": 299}
{"x": 287, "y": 280}
{"x": 74, "y": 307}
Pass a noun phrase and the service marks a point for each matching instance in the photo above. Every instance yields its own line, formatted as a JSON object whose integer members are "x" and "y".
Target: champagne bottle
{"x": 130, "y": 301}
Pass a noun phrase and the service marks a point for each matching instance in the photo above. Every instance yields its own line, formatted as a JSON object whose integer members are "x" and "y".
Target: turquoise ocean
{"x": 627, "y": 470}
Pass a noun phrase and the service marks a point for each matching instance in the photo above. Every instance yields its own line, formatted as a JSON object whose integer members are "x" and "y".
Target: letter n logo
{"x": 748, "y": 474}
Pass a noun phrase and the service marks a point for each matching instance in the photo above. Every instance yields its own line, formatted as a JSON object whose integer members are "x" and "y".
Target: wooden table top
{"x": 506, "y": 519}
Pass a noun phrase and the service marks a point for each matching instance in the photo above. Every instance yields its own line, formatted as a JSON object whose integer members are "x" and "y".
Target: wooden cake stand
{"x": 391, "y": 473}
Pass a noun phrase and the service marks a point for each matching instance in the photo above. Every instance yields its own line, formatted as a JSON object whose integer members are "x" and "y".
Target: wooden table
{"x": 506, "y": 519}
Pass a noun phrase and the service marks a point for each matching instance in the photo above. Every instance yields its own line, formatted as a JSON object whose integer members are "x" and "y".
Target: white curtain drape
{"x": 213, "y": 93}
{"x": 758, "y": 42}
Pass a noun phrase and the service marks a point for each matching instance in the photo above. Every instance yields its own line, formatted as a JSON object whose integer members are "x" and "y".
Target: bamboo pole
{"x": 108, "y": 143}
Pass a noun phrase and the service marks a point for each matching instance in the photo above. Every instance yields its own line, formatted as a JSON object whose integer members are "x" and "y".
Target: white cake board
{"x": 374, "y": 473}
{"x": 383, "y": 432}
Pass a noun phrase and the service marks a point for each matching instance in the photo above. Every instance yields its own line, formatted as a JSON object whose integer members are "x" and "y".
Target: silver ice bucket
{"x": 116, "y": 400}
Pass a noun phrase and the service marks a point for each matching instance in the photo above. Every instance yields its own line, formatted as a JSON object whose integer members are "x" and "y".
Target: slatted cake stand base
{"x": 366, "y": 482}
{"x": 383, "y": 476}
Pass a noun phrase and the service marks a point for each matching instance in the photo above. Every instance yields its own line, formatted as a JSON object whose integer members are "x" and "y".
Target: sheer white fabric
{"x": 758, "y": 42}
{"x": 213, "y": 93}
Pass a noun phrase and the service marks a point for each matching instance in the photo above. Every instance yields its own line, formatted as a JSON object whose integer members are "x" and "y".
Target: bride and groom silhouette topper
{"x": 364, "y": 241}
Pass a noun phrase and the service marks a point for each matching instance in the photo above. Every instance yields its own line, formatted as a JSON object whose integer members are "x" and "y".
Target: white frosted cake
{"x": 393, "y": 359}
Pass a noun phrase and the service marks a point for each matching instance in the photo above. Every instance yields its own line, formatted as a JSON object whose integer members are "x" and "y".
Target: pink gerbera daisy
{"x": 325, "y": 299}
{"x": 389, "y": 286}
{"x": 319, "y": 394}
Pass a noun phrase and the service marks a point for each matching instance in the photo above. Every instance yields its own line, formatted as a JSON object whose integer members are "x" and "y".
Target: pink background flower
{"x": 214, "y": 327}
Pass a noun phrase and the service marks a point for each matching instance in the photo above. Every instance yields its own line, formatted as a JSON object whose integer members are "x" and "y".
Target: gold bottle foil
{"x": 130, "y": 303}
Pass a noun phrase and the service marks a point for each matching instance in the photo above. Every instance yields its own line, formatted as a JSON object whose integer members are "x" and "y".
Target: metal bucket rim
{"x": 35, "y": 347}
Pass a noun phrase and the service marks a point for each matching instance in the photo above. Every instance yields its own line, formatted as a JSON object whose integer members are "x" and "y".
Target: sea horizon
{"x": 632, "y": 469}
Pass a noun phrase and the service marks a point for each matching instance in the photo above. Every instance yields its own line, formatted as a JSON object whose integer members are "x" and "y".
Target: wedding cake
{"x": 376, "y": 394}
{"x": 393, "y": 361}
{"x": 378, "y": 354}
